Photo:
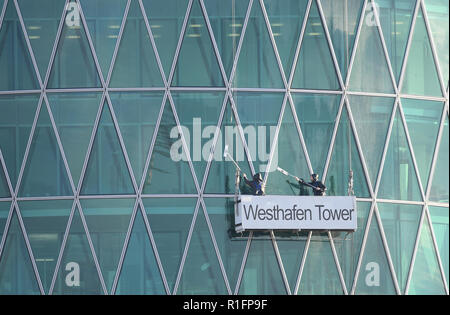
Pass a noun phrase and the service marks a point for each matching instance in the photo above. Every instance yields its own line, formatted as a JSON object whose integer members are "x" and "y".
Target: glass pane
{"x": 166, "y": 19}
{"x": 77, "y": 273}
{"x": 197, "y": 63}
{"x": 136, "y": 115}
{"x": 15, "y": 125}
{"x": 439, "y": 218}
{"x": 345, "y": 158}
{"x": 136, "y": 64}
{"x": 317, "y": 116}
{"x": 41, "y": 19}
{"x": 199, "y": 114}
{"x": 257, "y": 66}
{"x": 201, "y": 272}
{"x": 290, "y": 157}
{"x": 342, "y": 20}
{"x": 108, "y": 221}
{"x": 286, "y": 20}
{"x": 372, "y": 116}
{"x": 370, "y": 72}
{"x": 320, "y": 275}
{"x": 16, "y": 67}
{"x": 400, "y": 224}
{"x": 439, "y": 189}
{"x": 399, "y": 180}
{"x": 45, "y": 223}
{"x": 74, "y": 65}
{"x": 45, "y": 173}
{"x": 396, "y": 19}
{"x": 170, "y": 220}
{"x": 169, "y": 170}
{"x": 4, "y": 189}
{"x": 375, "y": 275}
{"x": 422, "y": 120}
{"x": 231, "y": 245}
{"x": 104, "y": 18}
{"x": 140, "y": 273}
{"x": 421, "y": 77}
{"x": 107, "y": 172}
{"x": 315, "y": 66}
{"x": 16, "y": 271}
{"x": 4, "y": 211}
{"x": 262, "y": 274}
{"x": 227, "y": 18}
{"x": 74, "y": 116}
{"x": 426, "y": 277}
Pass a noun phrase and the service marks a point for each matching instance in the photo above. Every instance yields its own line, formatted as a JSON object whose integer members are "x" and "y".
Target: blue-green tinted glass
{"x": 104, "y": 18}
{"x": 396, "y": 19}
{"x": 74, "y": 115}
{"x": 170, "y": 220}
{"x": 227, "y": 19}
{"x": 438, "y": 17}
{"x": 198, "y": 114}
{"x": 315, "y": 66}
{"x": 140, "y": 273}
{"x": 342, "y": 21}
{"x": 41, "y": 19}
{"x": 136, "y": 64}
{"x": 400, "y": 224}
{"x": 16, "y": 67}
{"x": 136, "y": 115}
{"x": 169, "y": 170}
{"x": 77, "y": 273}
{"x": 16, "y": 271}
{"x": 320, "y": 275}
{"x": 370, "y": 71}
{"x": 45, "y": 173}
{"x": 107, "y": 221}
{"x": 422, "y": 118}
{"x": 166, "y": 19}
{"x": 374, "y": 275}
{"x": 107, "y": 172}
{"x": 286, "y": 19}
{"x": 439, "y": 189}
{"x": 345, "y": 158}
{"x": 231, "y": 244}
{"x": 372, "y": 116}
{"x": 317, "y": 116}
{"x": 421, "y": 76}
{"x": 45, "y": 223}
{"x": 399, "y": 180}
{"x": 4, "y": 189}
{"x": 257, "y": 66}
{"x": 201, "y": 272}
{"x": 439, "y": 218}
{"x": 4, "y": 210}
{"x": 197, "y": 63}
{"x": 15, "y": 125}
{"x": 259, "y": 114}
{"x": 74, "y": 65}
{"x": 426, "y": 276}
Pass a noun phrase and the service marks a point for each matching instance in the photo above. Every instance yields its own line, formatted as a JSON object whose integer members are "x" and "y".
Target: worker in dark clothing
{"x": 317, "y": 186}
{"x": 302, "y": 189}
{"x": 253, "y": 187}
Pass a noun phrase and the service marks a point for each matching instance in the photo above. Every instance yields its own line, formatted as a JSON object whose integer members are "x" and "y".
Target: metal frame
{"x": 200, "y": 183}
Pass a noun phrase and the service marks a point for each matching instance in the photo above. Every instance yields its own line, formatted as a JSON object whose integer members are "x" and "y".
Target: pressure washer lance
{"x": 226, "y": 153}
{"x": 296, "y": 178}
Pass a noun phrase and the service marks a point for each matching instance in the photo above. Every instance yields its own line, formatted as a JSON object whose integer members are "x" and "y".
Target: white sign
{"x": 296, "y": 213}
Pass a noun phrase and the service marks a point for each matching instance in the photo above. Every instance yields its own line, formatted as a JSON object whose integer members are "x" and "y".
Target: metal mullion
{"x": 244, "y": 261}
{"x": 6, "y": 228}
{"x": 15, "y": 92}
{"x": 197, "y": 88}
{"x": 86, "y": 197}
{"x": 374, "y": 94}
{"x": 309, "y": 91}
{"x": 218, "y": 196}
{"x": 169, "y": 195}
{"x": 409, "y": 202}
{"x": 338, "y": 265}
{"x": 429, "y": 203}
{"x": 423, "y": 97}
{"x": 3, "y": 12}
{"x": 280, "y": 263}
{"x": 44, "y": 198}
{"x": 267, "y": 90}
{"x": 302, "y": 264}
{"x": 77, "y": 90}
{"x": 135, "y": 89}
{"x": 8, "y": 199}
{"x": 5, "y": 171}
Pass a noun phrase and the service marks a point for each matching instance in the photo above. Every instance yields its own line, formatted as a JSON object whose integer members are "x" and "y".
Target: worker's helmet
{"x": 257, "y": 177}
{"x": 315, "y": 177}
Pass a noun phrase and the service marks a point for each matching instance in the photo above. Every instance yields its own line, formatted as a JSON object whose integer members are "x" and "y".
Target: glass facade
{"x": 114, "y": 117}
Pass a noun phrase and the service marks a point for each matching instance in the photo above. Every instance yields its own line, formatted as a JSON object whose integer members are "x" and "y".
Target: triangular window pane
{"x": 136, "y": 64}
{"x": 4, "y": 189}
{"x": 439, "y": 189}
{"x": 45, "y": 173}
{"x": 107, "y": 172}
{"x": 140, "y": 273}
{"x": 315, "y": 67}
{"x": 421, "y": 77}
{"x": 439, "y": 218}
{"x": 399, "y": 180}
{"x": 169, "y": 171}
{"x": 74, "y": 65}
{"x": 16, "y": 67}
{"x": 257, "y": 66}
